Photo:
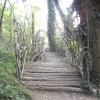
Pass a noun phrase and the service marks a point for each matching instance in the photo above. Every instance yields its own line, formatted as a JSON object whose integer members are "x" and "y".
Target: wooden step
{"x": 71, "y": 89}
{"x": 48, "y": 71}
{"x": 45, "y": 79}
{"x": 53, "y": 83}
{"x": 50, "y": 74}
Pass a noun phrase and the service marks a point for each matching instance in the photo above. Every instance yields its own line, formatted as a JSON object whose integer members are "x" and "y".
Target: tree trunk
{"x": 94, "y": 36}
{"x": 89, "y": 21}
{"x": 66, "y": 28}
{"x": 51, "y": 25}
{"x": 1, "y": 19}
{"x": 67, "y": 31}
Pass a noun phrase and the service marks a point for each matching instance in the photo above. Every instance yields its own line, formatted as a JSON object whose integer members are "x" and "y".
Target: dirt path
{"x": 60, "y": 95}
{"x": 46, "y": 79}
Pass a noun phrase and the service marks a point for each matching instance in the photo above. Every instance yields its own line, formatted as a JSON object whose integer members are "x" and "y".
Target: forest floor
{"x": 60, "y": 95}
{"x": 53, "y": 79}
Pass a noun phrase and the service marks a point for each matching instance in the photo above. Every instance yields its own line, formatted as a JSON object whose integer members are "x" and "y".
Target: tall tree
{"x": 67, "y": 29}
{"x": 63, "y": 17}
{"x": 89, "y": 16}
{"x": 51, "y": 25}
{"x": 1, "y": 19}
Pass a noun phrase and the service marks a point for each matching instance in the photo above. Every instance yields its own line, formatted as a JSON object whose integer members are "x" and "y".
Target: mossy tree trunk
{"x": 51, "y": 25}
{"x": 90, "y": 23}
{"x": 94, "y": 36}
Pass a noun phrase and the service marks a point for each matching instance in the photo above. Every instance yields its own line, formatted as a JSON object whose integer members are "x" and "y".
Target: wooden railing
{"x": 26, "y": 49}
{"x": 37, "y": 52}
{"x": 21, "y": 56}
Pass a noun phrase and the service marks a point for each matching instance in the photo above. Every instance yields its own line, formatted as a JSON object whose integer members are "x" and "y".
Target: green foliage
{"x": 59, "y": 45}
{"x": 10, "y": 87}
{"x": 7, "y": 59}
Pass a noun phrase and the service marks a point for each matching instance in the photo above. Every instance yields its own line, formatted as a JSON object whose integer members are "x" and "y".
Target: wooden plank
{"x": 54, "y": 85}
{"x": 50, "y": 75}
{"x": 67, "y": 82}
{"x": 66, "y": 89}
{"x": 47, "y": 71}
{"x": 47, "y": 79}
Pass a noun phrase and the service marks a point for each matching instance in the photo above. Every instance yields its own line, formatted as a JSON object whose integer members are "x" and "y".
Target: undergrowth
{"x": 10, "y": 87}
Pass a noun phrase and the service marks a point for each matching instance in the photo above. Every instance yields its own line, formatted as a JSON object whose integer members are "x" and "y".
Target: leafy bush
{"x": 10, "y": 87}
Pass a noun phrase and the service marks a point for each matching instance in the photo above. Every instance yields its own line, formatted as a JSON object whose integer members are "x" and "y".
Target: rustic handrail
{"x": 22, "y": 50}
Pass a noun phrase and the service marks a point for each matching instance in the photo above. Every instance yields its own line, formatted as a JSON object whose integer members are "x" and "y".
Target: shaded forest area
{"x": 76, "y": 38}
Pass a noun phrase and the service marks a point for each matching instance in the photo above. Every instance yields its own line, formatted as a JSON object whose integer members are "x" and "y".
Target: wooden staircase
{"x": 52, "y": 73}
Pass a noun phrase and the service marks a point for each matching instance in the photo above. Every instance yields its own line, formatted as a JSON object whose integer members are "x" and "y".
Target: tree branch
{"x": 62, "y": 16}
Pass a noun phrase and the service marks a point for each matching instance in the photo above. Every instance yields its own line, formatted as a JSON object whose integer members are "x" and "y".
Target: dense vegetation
{"x": 10, "y": 87}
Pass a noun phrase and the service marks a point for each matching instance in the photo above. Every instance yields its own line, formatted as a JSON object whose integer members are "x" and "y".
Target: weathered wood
{"x": 72, "y": 89}
{"x": 48, "y": 79}
{"x": 52, "y": 74}
{"x": 65, "y": 82}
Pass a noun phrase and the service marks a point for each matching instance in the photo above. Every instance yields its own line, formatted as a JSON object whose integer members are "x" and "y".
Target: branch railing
{"x": 24, "y": 47}
{"x": 79, "y": 54}
{"x": 37, "y": 51}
